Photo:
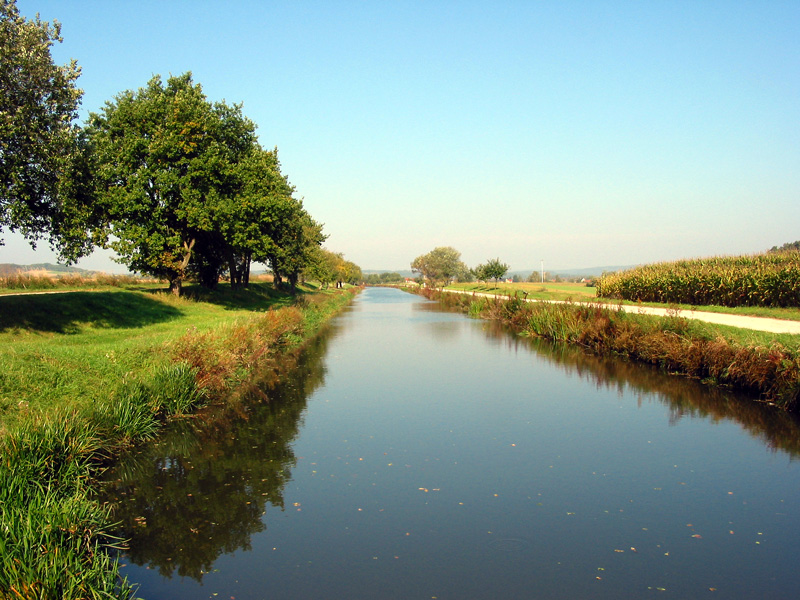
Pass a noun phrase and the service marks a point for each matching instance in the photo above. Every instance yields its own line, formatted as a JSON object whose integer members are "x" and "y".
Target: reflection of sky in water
{"x": 444, "y": 458}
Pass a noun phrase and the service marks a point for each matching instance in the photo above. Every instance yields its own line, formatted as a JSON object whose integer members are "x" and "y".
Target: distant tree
{"x": 464, "y": 274}
{"x": 786, "y": 247}
{"x": 537, "y": 276}
{"x": 328, "y": 267}
{"x": 322, "y": 267}
{"x": 479, "y": 273}
{"x": 391, "y": 277}
{"x": 382, "y": 278}
{"x": 39, "y": 146}
{"x": 493, "y": 269}
{"x": 440, "y": 265}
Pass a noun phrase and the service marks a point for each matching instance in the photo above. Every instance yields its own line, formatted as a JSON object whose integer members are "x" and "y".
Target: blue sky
{"x": 579, "y": 133}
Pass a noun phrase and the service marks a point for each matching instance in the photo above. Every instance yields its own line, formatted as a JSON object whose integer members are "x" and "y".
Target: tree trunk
{"x": 234, "y": 272}
{"x": 175, "y": 285}
{"x": 246, "y": 270}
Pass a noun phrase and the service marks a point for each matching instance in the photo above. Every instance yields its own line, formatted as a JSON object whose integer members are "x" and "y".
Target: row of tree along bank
{"x": 56, "y": 540}
{"x": 178, "y": 186}
{"x": 675, "y": 344}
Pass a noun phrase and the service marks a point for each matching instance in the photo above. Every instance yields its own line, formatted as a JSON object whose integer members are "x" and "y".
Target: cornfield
{"x": 771, "y": 279}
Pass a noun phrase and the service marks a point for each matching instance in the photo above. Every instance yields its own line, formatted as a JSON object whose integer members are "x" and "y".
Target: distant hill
{"x": 403, "y": 272}
{"x": 523, "y": 273}
{"x": 585, "y": 272}
{"x": 590, "y": 271}
{"x": 10, "y": 269}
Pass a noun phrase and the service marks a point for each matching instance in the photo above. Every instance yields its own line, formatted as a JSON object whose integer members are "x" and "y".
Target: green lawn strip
{"x": 79, "y": 378}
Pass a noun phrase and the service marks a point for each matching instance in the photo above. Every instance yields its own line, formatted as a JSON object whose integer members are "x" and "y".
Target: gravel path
{"x": 741, "y": 321}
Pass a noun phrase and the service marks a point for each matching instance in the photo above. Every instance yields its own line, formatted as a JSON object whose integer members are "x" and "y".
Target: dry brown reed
{"x": 223, "y": 357}
{"x": 44, "y": 280}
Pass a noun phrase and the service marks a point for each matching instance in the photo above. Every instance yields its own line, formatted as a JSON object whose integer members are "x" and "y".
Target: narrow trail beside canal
{"x": 741, "y": 321}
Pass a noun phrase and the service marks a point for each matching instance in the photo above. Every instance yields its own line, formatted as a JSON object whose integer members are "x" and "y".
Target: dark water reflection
{"x": 684, "y": 397}
{"x": 202, "y": 489}
{"x": 416, "y": 453}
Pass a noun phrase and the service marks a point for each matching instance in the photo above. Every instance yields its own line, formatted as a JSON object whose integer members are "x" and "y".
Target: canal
{"x": 418, "y": 454}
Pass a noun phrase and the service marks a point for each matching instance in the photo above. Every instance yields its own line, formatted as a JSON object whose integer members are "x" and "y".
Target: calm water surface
{"x": 418, "y": 454}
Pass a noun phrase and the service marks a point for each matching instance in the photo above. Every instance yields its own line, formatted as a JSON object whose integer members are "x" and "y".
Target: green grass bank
{"x": 763, "y": 364}
{"x": 85, "y": 374}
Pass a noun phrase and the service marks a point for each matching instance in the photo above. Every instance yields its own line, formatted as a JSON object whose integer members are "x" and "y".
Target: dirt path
{"x": 741, "y": 321}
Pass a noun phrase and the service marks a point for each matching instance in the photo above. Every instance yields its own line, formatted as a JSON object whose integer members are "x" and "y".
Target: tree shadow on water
{"x": 66, "y": 312}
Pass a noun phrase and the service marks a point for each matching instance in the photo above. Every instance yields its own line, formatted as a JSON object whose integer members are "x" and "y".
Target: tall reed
{"x": 55, "y": 541}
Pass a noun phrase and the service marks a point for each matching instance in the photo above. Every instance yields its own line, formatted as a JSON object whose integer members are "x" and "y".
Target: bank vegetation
{"x": 765, "y": 367}
{"x": 86, "y": 374}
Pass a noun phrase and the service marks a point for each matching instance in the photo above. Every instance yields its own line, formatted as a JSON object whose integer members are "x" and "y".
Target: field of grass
{"x": 72, "y": 349}
{"x": 84, "y": 373}
{"x": 541, "y": 291}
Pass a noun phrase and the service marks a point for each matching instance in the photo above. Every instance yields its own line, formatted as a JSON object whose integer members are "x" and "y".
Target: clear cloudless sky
{"x": 580, "y": 133}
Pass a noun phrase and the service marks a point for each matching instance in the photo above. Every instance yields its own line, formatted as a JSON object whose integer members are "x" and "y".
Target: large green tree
{"x": 39, "y": 147}
{"x": 263, "y": 212}
{"x": 167, "y": 168}
{"x": 296, "y": 245}
{"x": 439, "y": 266}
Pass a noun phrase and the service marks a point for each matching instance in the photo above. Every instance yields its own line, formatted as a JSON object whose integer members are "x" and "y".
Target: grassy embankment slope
{"x": 766, "y": 364}
{"x": 85, "y": 373}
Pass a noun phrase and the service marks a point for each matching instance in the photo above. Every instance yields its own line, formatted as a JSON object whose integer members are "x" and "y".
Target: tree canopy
{"x": 440, "y": 265}
{"x": 179, "y": 187}
{"x": 787, "y": 247}
{"x": 493, "y": 269}
{"x": 166, "y": 160}
{"x": 331, "y": 267}
{"x": 187, "y": 190}
{"x": 39, "y": 145}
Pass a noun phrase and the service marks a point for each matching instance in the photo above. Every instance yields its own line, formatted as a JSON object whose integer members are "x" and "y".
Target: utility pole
{"x": 542, "y": 270}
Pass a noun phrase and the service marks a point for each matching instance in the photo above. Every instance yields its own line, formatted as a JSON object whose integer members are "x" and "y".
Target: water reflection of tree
{"x": 203, "y": 488}
{"x": 685, "y": 397}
